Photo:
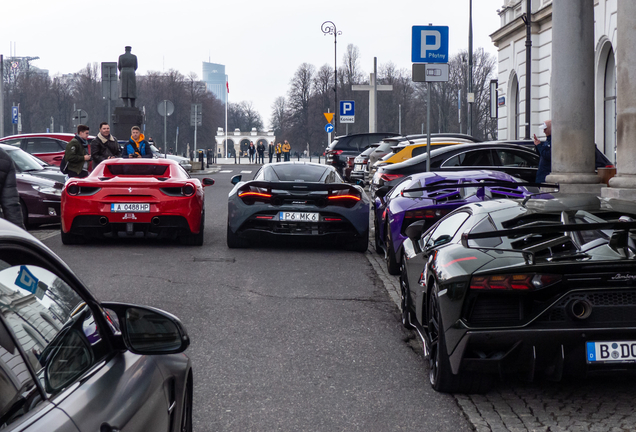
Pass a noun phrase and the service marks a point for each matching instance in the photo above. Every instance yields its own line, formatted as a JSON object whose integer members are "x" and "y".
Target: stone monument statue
{"x": 127, "y": 66}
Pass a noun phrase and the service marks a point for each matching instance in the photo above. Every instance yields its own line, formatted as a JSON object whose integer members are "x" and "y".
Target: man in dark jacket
{"x": 545, "y": 152}
{"x": 9, "y": 198}
{"x": 260, "y": 148}
{"x": 137, "y": 145}
{"x": 76, "y": 153}
{"x": 271, "y": 149}
{"x": 104, "y": 146}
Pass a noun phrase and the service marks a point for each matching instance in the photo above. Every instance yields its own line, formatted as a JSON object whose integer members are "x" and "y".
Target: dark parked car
{"x": 351, "y": 145}
{"x": 40, "y": 199}
{"x": 523, "y": 287}
{"x": 71, "y": 363}
{"x": 514, "y": 159}
{"x": 429, "y": 196}
{"x": 360, "y": 170}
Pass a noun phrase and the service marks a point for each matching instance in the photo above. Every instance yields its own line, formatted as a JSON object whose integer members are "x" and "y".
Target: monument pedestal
{"x": 124, "y": 118}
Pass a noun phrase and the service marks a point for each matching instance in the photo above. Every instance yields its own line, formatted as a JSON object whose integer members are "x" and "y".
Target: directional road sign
{"x": 429, "y": 44}
{"x": 347, "y": 112}
{"x": 196, "y": 115}
{"x": 14, "y": 114}
{"x": 328, "y": 128}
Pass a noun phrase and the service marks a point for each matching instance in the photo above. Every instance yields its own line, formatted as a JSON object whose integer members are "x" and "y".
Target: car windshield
{"x": 24, "y": 161}
{"x": 299, "y": 173}
{"x": 137, "y": 169}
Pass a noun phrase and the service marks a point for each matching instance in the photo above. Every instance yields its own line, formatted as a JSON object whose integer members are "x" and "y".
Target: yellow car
{"x": 405, "y": 152}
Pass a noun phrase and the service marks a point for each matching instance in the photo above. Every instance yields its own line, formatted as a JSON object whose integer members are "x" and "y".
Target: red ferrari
{"x": 135, "y": 198}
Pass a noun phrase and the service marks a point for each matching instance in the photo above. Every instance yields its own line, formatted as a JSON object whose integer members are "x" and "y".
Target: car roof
{"x": 61, "y": 135}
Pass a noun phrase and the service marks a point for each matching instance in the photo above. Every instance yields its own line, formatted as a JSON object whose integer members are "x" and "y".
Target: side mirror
{"x": 146, "y": 330}
{"x": 414, "y": 231}
{"x": 236, "y": 179}
{"x": 441, "y": 240}
{"x": 207, "y": 182}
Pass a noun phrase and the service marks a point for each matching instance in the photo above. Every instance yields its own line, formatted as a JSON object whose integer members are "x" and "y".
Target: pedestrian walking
{"x": 209, "y": 157}
{"x": 286, "y": 150}
{"x": 279, "y": 151}
{"x": 260, "y": 149}
{"x": 9, "y": 198}
{"x": 545, "y": 152}
{"x": 271, "y": 150}
{"x": 104, "y": 145}
{"x": 137, "y": 146}
{"x": 76, "y": 155}
{"x": 251, "y": 151}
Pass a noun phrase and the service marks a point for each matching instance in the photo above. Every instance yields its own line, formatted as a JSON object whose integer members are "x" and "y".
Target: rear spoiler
{"x": 622, "y": 227}
{"x": 482, "y": 186}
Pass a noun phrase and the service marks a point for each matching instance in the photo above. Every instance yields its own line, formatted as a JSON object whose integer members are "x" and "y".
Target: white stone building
{"x": 510, "y": 40}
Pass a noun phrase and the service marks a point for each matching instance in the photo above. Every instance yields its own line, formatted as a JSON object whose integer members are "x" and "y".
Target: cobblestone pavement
{"x": 595, "y": 404}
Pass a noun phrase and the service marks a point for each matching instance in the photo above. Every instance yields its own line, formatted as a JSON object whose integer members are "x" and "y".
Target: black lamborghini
{"x": 522, "y": 286}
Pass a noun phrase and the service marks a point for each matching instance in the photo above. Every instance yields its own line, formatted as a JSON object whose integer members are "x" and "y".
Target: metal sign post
{"x": 196, "y": 119}
{"x": 165, "y": 109}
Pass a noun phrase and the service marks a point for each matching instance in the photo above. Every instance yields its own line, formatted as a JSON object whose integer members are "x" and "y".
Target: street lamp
{"x": 329, "y": 28}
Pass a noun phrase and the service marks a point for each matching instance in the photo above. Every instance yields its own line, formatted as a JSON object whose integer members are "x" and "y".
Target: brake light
{"x": 335, "y": 152}
{"x": 339, "y": 197}
{"x": 517, "y": 282}
{"x": 390, "y": 177}
{"x": 252, "y": 195}
{"x": 424, "y": 214}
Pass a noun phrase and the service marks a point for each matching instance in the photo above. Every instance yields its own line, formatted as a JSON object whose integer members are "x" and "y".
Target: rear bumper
{"x": 159, "y": 226}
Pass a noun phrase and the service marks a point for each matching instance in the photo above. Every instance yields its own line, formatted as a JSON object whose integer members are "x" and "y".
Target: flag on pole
{"x": 227, "y": 85}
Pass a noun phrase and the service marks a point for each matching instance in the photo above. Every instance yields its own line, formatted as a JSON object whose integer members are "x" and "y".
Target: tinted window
{"x": 470, "y": 158}
{"x": 137, "y": 169}
{"x": 516, "y": 158}
{"x": 303, "y": 173}
{"x": 484, "y": 226}
{"x": 447, "y": 229}
{"x": 13, "y": 142}
{"x": 358, "y": 142}
{"x": 401, "y": 186}
{"x": 43, "y": 145}
{"x": 420, "y": 150}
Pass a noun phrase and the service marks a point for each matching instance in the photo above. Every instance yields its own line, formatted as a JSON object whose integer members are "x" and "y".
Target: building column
{"x": 623, "y": 185}
{"x": 573, "y": 97}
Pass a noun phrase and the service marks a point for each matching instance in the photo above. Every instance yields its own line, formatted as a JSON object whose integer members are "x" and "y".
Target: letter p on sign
{"x": 431, "y": 41}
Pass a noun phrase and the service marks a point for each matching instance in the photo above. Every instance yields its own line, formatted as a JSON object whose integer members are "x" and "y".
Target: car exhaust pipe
{"x": 155, "y": 220}
{"x": 579, "y": 309}
{"x": 103, "y": 220}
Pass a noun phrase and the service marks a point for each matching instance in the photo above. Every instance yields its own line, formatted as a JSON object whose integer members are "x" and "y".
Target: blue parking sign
{"x": 14, "y": 114}
{"x": 429, "y": 44}
{"x": 26, "y": 280}
{"x": 347, "y": 108}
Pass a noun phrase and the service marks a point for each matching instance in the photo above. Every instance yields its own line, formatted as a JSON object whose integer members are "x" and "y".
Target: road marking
{"x": 246, "y": 172}
{"x": 225, "y": 171}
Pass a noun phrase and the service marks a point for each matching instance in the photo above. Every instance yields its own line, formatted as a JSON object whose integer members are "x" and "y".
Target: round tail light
{"x": 73, "y": 189}
{"x": 188, "y": 190}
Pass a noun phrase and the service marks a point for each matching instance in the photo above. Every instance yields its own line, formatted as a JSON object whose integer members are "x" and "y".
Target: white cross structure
{"x": 373, "y": 89}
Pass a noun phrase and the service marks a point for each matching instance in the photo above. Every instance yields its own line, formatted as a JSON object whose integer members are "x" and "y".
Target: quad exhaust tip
{"x": 155, "y": 221}
{"x": 103, "y": 220}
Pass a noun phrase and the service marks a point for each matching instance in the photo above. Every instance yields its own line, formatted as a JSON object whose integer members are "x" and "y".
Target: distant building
{"x": 214, "y": 78}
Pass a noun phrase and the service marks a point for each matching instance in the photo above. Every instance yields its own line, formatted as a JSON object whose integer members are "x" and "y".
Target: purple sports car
{"x": 429, "y": 196}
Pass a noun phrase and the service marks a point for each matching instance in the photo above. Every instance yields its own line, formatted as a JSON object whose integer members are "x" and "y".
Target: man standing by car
{"x": 9, "y": 198}
{"x": 137, "y": 145}
{"x": 545, "y": 152}
{"x": 76, "y": 154}
{"x": 286, "y": 150}
{"x": 104, "y": 145}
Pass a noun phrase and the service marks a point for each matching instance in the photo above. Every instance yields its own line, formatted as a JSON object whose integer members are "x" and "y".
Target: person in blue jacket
{"x": 137, "y": 146}
{"x": 545, "y": 152}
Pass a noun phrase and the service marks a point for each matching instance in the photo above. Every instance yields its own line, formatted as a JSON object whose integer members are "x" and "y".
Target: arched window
{"x": 609, "y": 107}
{"x": 513, "y": 110}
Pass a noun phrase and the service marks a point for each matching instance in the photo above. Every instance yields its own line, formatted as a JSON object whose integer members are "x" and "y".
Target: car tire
{"x": 195, "y": 239}
{"x": 378, "y": 247}
{"x": 441, "y": 376}
{"x": 392, "y": 266}
{"x": 234, "y": 241}
{"x": 360, "y": 244}
{"x": 186, "y": 412}
{"x": 71, "y": 239}
{"x": 405, "y": 303}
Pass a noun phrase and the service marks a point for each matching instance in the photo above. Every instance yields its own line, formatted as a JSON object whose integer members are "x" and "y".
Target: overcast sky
{"x": 261, "y": 43}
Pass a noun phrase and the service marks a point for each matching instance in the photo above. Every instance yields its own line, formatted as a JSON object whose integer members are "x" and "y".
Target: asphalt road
{"x": 284, "y": 337}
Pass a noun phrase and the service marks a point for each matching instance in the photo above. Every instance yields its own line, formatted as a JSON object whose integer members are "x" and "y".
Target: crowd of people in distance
{"x": 256, "y": 153}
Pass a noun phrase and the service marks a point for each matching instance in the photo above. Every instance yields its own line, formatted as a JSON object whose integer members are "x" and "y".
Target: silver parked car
{"x": 184, "y": 162}
{"x": 69, "y": 363}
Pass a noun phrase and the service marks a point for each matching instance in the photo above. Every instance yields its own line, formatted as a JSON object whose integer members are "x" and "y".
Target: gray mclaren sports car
{"x": 297, "y": 199}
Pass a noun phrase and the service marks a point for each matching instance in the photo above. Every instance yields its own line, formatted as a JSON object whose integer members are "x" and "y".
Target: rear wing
{"x": 482, "y": 186}
{"x": 617, "y": 241}
{"x": 301, "y": 187}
